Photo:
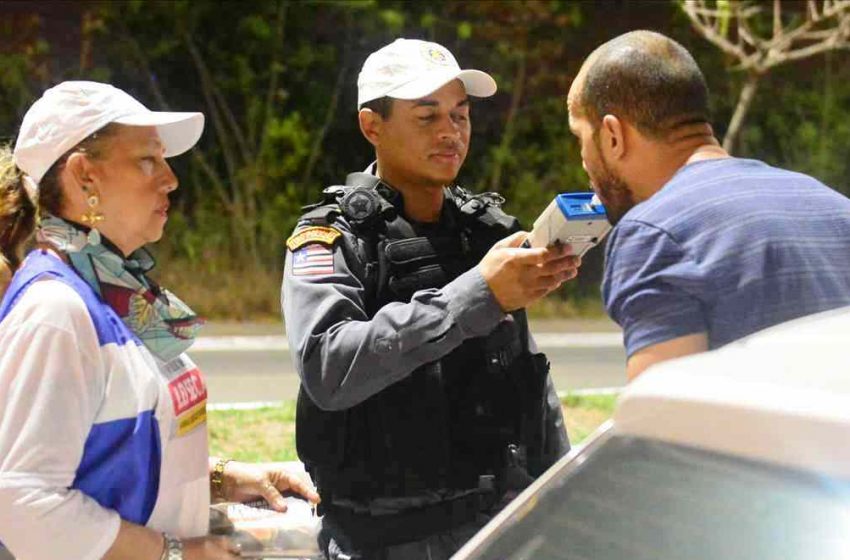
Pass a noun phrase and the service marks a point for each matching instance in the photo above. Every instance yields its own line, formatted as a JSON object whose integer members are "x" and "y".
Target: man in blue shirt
{"x": 707, "y": 248}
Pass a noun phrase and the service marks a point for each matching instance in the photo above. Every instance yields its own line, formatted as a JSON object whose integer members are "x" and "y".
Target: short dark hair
{"x": 383, "y": 106}
{"x": 646, "y": 78}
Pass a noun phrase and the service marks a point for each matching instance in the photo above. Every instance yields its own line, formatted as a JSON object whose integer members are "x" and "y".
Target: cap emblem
{"x": 435, "y": 55}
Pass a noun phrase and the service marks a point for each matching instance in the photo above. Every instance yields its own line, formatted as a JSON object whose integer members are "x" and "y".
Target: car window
{"x": 633, "y": 499}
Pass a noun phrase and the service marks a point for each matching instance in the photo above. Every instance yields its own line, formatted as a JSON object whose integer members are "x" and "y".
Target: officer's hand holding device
{"x": 566, "y": 230}
{"x": 518, "y": 277}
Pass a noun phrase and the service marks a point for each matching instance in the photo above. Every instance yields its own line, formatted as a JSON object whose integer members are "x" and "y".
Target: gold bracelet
{"x": 217, "y": 479}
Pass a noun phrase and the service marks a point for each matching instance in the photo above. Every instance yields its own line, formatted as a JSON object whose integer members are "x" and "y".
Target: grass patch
{"x": 268, "y": 434}
{"x": 602, "y": 403}
{"x": 584, "y": 413}
{"x": 265, "y": 434}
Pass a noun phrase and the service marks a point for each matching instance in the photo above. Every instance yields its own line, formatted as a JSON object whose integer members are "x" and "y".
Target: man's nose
{"x": 449, "y": 129}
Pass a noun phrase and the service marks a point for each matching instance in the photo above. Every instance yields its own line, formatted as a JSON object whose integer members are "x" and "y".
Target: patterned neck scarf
{"x": 165, "y": 324}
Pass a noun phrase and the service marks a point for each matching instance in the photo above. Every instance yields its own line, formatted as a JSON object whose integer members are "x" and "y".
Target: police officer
{"x": 424, "y": 404}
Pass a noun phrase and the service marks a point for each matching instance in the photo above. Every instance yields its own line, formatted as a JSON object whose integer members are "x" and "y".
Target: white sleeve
{"x": 51, "y": 386}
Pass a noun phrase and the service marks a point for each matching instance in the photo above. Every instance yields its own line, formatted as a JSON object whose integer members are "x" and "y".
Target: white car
{"x": 741, "y": 453}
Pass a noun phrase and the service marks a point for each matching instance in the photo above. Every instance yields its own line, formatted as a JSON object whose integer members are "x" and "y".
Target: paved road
{"x": 259, "y": 367}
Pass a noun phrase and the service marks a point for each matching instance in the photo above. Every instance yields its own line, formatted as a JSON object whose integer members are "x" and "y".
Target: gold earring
{"x": 92, "y": 217}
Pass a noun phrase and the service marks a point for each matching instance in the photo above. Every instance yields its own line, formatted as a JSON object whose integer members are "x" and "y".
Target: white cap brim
{"x": 178, "y": 131}
{"x": 476, "y": 83}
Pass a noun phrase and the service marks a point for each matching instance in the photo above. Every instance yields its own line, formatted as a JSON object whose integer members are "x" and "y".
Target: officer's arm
{"x": 343, "y": 356}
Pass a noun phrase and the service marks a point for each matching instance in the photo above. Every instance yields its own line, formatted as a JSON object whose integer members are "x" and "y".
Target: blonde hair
{"x": 18, "y": 213}
{"x": 17, "y": 217}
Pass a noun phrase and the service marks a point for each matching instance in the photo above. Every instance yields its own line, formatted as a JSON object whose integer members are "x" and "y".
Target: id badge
{"x": 188, "y": 394}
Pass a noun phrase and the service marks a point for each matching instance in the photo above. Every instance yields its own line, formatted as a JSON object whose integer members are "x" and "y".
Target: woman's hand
{"x": 248, "y": 481}
{"x": 210, "y": 548}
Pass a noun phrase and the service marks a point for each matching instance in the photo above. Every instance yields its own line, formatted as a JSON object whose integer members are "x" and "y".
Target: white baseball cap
{"x": 68, "y": 113}
{"x": 410, "y": 69}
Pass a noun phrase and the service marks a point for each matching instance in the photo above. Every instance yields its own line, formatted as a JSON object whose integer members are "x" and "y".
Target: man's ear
{"x": 613, "y": 137}
{"x": 370, "y": 125}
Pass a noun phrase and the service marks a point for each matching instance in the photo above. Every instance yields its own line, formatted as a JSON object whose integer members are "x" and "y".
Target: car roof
{"x": 780, "y": 396}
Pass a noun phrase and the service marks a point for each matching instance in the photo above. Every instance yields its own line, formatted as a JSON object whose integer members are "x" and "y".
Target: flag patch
{"x": 312, "y": 260}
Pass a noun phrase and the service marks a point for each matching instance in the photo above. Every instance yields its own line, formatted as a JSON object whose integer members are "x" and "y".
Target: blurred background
{"x": 277, "y": 81}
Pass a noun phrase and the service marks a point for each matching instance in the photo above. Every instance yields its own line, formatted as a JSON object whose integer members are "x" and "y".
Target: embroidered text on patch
{"x": 314, "y": 234}
{"x": 312, "y": 260}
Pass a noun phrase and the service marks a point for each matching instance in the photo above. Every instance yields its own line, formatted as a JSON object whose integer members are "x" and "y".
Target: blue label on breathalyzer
{"x": 579, "y": 206}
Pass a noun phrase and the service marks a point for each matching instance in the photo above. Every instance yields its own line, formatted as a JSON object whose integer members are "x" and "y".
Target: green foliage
{"x": 811, "y": 132}
{"x": 20, "y": 67}
{"x": 392, "y": 19}
{"x": 266, "y": 434}
{"x": 287, "y": 145}
{"x": 16, "y": 92}
{"x": 604, "y": 403}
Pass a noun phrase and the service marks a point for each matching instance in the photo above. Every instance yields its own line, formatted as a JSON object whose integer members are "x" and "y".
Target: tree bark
{"x": 745, "y": 99}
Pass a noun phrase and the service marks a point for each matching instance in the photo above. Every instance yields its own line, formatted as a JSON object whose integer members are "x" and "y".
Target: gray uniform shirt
{"x": 343, "y": 356}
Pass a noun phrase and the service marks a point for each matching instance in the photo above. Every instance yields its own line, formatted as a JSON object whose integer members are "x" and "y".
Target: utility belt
{"x": 367, "y": 531}
{"x": 370, "y": 527}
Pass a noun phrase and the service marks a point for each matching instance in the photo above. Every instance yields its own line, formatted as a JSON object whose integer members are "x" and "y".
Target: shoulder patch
{"x": 315, "y": 234}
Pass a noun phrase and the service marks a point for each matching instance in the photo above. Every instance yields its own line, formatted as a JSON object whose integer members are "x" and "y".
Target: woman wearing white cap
{"x": 103, "y": 438}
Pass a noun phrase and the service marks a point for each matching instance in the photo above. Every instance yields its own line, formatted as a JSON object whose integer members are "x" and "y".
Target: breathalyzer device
{"x": 577, "y": 219}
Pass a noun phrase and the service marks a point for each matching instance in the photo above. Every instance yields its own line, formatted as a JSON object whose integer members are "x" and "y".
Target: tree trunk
{"x": 319, "y": 138}
{"x": 510, "y": 124}
{"x": 87, "y": 27}
{"x": 745, "y": 99}
{"x": 275, "y": 69}
{"x": 823, "y": 153}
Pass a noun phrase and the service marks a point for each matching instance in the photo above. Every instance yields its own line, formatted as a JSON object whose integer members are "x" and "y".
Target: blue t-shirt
{"x": 727, "y": 247}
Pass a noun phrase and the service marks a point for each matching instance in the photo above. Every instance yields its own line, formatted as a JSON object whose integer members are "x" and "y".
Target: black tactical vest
{"x": 477, "y": 411}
